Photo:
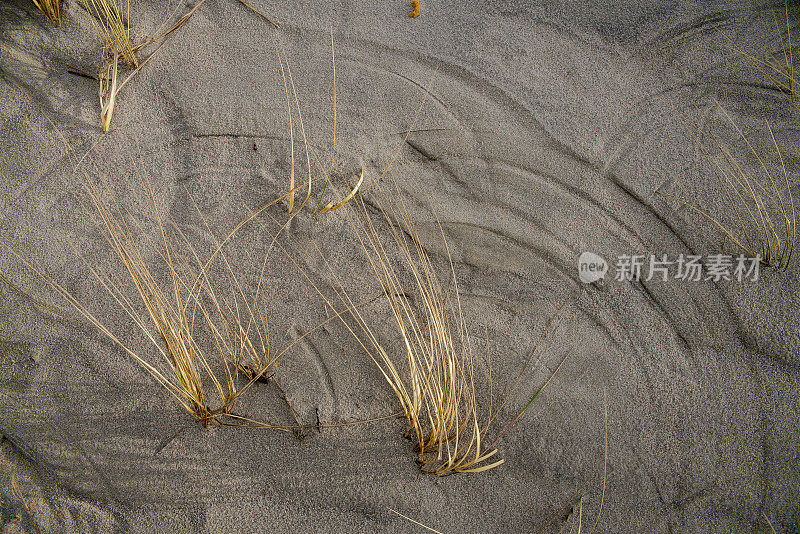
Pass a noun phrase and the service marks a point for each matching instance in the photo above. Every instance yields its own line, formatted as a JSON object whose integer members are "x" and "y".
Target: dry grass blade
{"x": 51, "y": 9}
{"x": 777, "y": 67}
{"x": 348, "y": 198}
{"x": 762, "y": 220}
{"x": 507, "y": 394}
{"x": 605, "y": 459}
{"x": 426, "y": 527}
{"x": 18, "y": 495}
{"x": 575, "y": 522}
{"x": 259, "y": 13}
{"x": 113, "y": 27}
{"x": 771, "y": 528}
{"x": 108, "y": 93}
{"x": 287, "y": 83}
{"x": 782, "y": 63}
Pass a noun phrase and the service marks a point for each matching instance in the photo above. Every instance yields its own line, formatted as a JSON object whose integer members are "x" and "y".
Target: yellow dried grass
{"x": 51, "y": 10}
{"x": 206, "y": 378}
{"x": 777, "y": 67}
{"x": 760, "y": 206}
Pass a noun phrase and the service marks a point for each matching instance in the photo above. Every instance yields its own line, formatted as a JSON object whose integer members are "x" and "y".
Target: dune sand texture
{"x": 547, "y": 133}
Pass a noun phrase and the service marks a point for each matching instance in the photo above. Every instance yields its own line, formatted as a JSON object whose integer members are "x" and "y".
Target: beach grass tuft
{"x": 761, "y": 218}
{"x": 777, "y": 66}
{"x": 114, "y": 27}
{"x": 435, "y": 379}
{"x": 209, "y": 337}
{"x": 51, "y": 10}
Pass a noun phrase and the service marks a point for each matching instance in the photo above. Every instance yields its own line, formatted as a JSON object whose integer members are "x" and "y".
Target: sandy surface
{"x": 543, "y": 137}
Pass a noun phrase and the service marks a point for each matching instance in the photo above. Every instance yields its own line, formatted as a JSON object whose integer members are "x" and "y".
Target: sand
{"x": 547, "y": 133}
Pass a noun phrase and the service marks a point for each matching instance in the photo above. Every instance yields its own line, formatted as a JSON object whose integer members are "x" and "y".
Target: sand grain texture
{"x": 543, "y": 137}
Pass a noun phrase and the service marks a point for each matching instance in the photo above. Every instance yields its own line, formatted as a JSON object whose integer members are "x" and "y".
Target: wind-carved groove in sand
{"x": 427, "y": 155}
{"x": 272, "y": 137}
{"x": 473, "y": 194}
{"x": 577, "y": 196}
{"x": 606, "y": 171}
{"x": 505, "y": 102}
{"x": 720, "y": 297}
{"x": 323, "y": 372}
{"x": 703, "y": 24}
{"x": 665, "y": 315}
{"x": 46, "y": 505}
{"x": 580, "y": 198}
{"x": 537, "y": 251}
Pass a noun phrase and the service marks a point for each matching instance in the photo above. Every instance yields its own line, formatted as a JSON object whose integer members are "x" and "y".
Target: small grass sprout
{"x": 317, "y": 170}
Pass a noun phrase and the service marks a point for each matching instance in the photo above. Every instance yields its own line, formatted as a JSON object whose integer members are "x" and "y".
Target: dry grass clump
{"x": 434, "y": 381}
{"x": 433, "y": 376}
{"x": 761, "y": 219}
{"x": 171, "y": 312}
{"x": 113, "y": 27}
{"x": 51, "y": 9}
{"x": 179, "y": 310}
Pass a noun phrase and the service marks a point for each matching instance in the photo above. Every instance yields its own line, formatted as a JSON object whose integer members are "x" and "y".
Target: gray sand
{"x": 543, "y": 138}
